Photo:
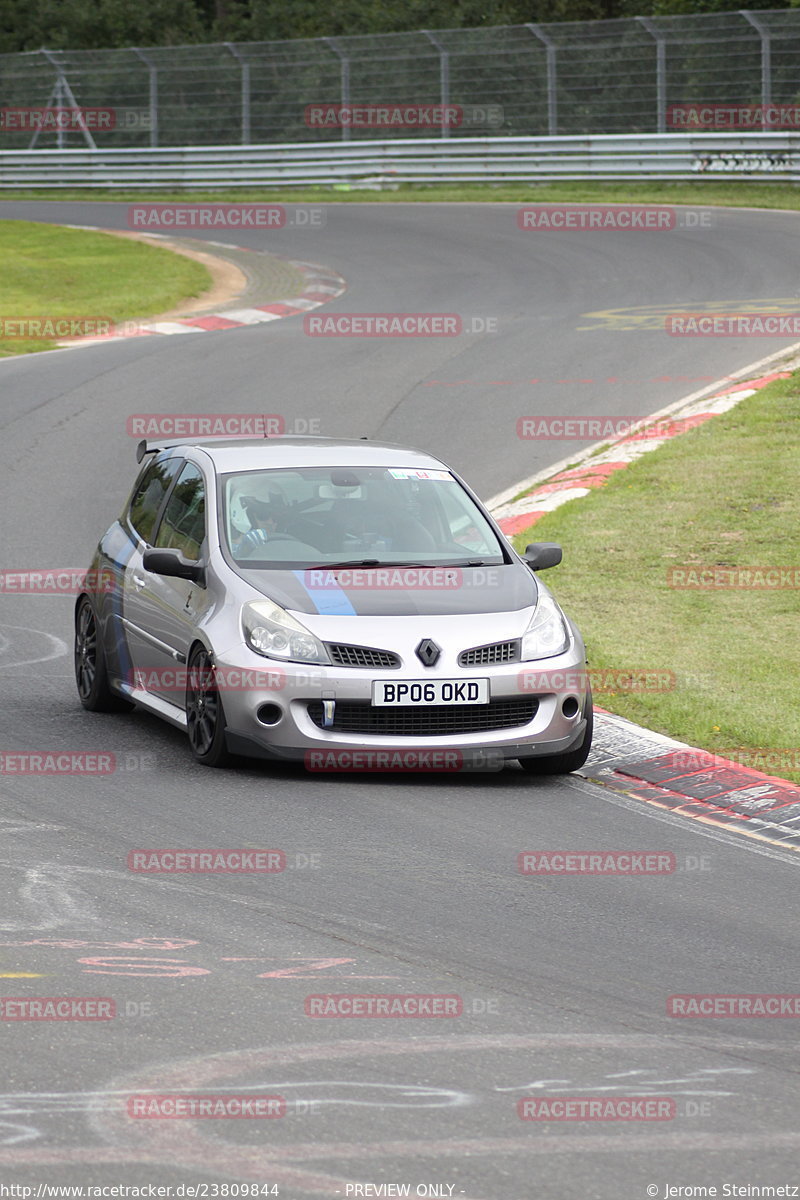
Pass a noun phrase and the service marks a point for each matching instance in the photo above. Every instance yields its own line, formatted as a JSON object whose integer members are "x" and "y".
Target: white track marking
{"x": 60, "y": 647}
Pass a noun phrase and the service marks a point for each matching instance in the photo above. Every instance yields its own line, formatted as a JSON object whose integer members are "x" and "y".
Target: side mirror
{"x": 172, "y": 564}
{"x": 540, "y": 555}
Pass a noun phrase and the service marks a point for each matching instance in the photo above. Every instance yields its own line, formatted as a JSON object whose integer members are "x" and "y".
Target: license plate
{"x": 430, "y": 691}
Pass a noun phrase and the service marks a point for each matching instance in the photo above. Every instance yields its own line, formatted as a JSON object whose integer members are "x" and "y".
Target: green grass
{"x": 724, "y": 494}
{"x": 734, "y": 194}
{"x": 52, "y": 271}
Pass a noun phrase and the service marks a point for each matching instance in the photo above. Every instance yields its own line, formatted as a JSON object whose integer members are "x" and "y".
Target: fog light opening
{"x": 570, "y": 706}
{"x": 269, "y": 714}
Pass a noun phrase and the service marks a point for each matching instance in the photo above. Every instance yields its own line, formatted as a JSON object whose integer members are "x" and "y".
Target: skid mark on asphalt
{"x": 640, "y": 1080}
{"x": 50, "y": 900}
{"x": 317, "y": 1092}
{"x": 183, "y": 1145}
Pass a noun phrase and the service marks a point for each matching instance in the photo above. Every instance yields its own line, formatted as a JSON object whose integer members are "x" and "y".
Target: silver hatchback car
{"x": 344, "y": 604}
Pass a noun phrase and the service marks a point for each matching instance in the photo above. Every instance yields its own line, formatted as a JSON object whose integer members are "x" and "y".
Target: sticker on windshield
{"x": 411, "y": 474}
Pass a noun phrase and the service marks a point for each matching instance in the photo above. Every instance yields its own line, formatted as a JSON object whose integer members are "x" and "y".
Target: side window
{"x": 183, "y": 525}
{"x": 146, "y": 500}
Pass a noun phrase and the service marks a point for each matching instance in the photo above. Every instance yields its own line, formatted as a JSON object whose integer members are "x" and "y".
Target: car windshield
{"x": 322, "y": 516}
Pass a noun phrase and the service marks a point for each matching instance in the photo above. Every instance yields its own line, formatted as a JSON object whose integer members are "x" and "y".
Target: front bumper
{"x": 274, "y": 722}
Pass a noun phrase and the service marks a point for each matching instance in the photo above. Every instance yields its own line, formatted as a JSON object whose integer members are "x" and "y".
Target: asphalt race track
{"x": 401, "y": 884}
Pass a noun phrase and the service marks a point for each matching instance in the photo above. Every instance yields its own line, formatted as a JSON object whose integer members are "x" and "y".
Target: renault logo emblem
{"x": 428, "y": 652}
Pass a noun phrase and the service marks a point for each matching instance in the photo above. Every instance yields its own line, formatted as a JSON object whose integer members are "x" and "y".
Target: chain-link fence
{"x": 638, "y": 75}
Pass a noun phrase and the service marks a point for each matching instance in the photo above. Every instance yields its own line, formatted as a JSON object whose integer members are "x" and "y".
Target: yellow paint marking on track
{"x": 20, "y": 975}
{"x": 653, "y": 316}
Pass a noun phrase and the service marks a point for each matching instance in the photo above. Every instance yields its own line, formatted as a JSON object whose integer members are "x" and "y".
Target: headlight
{"x": 547, "y": 633}
{"x": 273, "y": 632}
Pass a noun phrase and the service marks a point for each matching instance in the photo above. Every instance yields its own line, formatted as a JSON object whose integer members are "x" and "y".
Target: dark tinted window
{"x": 183, "y": 525}
{"x": 147, "y": 498}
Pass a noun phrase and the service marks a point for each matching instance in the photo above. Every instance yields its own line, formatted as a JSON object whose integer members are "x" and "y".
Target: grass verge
{"x": 723, "y": 495}
{"x": 735, "y": 194}
{"x": 55, "y": 272}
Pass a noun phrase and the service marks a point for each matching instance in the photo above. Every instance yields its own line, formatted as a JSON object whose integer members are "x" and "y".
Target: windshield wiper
{"x": 375, "y": 562}
{"x": 461, "y": 562}
{"x": 353, "y": 562}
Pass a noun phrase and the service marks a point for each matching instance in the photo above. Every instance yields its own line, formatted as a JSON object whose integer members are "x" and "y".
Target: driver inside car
{"x": 264, "y": 521}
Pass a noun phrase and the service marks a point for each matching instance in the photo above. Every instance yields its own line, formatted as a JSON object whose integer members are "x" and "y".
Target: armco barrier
{"x": 634, "y": 157}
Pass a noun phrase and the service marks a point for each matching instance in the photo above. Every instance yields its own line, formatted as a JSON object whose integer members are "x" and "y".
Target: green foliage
{"x": 95, "y": 24}
{"x": 98, "y": 24}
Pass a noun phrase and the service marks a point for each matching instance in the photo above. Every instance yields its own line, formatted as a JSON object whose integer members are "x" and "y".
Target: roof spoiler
{"x": 145, "y": 447}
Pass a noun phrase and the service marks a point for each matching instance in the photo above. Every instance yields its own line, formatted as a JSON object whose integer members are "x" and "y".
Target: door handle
{"x": 139, "y": 581}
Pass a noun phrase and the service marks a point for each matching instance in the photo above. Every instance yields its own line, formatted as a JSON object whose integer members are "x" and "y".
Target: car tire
{"x": 205, "y": 716}
{"x": 91, "y": 673}
{"x": 572, "y": 760}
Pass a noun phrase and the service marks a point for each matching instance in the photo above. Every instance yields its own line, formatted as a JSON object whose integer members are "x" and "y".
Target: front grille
{"x": 483, "y": 656}
{"x": 362, "y": 656}
{"x": 419, "y": 720}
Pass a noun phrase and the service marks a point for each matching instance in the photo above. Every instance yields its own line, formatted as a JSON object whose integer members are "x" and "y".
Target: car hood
{"x": 399, "y": 592}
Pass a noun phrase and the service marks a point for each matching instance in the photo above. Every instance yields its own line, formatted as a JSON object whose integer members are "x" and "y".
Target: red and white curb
{"x": 321, "y": 286}
{"x": 596, "y": 469}
{"x": 693, "y": 783}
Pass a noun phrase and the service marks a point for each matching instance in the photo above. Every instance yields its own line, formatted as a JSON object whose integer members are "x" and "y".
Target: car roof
{"x": 264, "y": 453}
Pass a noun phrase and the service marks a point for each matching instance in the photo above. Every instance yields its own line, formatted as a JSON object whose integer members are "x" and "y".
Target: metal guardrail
{"x": 381, "y": 164}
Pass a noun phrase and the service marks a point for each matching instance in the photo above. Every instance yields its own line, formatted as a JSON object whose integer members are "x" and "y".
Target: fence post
{"x": 245, "y": 65}
{"x": 345, "y": 80}
{"x": 552, "y": 80}
{"x": 152, "y": 71}
{"x": 62, "y": 95}
{"x": 661, "y": 72}
{"x": 766, "y": 56}
{"x": 444, "y": 78}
